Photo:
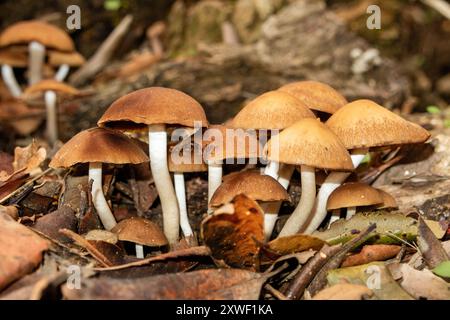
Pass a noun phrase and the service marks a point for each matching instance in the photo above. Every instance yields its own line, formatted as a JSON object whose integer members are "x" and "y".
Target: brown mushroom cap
{"x": 14, "y": 56}
{"x": 310, "y": 142}
{"x": 365, "y": 124}
{"x": 353, "y": 194}
{"x": 271, "y": 110}
{"x": 254, "y": 185}
{"x": 26, "y": 31}
{"x": 155, "y": 105}
{"x": 141, "y": 231}
{"x": 389, "y": 201}
{"x": 316, "y": 95}
{"x": 98, "y": 145}
{"x": 73, "y": 59}
{"x": 49, "y": 84}
{"x": 235, "y": 143}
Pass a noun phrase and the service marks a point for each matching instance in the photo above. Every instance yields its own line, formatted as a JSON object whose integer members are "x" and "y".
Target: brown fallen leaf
{"x": 11, "y": 211}
{"x": 29, "y": 157}
{"x": 234, "y": 233}
{"x": 209, "y": 284}
{"x": 20, "y": 250}
{"x": 51, "y": 223}
{"x": 137, "y": 64}
{"x": 344, "y": 291}
{"x": 431, "y": 248}
{"x": 295, "y": 243}
{"x": 370, "y": 253}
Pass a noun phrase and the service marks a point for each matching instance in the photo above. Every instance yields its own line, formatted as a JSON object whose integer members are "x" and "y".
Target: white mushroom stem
{"x": 271, "y": 209}
{"x": 305, "y": 205}
{"x": 335, "y": 215}
{"x": 98, "y": 198}
{"x": 36, "y": 62}
{"x": 157, "y": 137}
{"x": 272, "y": 169}
{"x": 62, "y": 72}
{"x": 52, "y": 121}
{"x": 139, "y": 251}
{"x": 214, "y": 177}
{"x": 330, "y": 184}
{"x": 351, "y": 211}
{"x": 180, "y": 192}
{"x": 10, "y": 80}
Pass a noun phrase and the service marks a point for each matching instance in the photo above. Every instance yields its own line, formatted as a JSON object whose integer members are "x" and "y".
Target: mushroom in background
{"x": 64, "y": 60}
{"x": 47, "y": 90}
{"x": 12, "y": 57}
{"x": 152, "y": 109}
{"x": 389, "y": 201}
{"x": 310, "y": 144}
{"x": 360, "y": 125}
{"x": 97, "y": 146}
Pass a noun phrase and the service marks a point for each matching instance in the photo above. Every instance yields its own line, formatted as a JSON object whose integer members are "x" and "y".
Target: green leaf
{"x": 433, "y": 110}
{"x": 442, "y": 270}
{"x": 112, "y": 5}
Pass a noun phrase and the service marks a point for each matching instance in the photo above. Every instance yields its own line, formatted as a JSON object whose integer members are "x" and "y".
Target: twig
{"x": 103, "y": 54}
{"x": 440, "y": 6}
{"x": 274, "y": 292}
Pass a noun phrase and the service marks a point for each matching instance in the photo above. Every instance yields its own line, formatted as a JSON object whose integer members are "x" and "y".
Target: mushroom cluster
{"x": 306, "y": 125}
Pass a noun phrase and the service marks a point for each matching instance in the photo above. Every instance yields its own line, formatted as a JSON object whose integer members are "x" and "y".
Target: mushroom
{"x": 389, "y": 201}
{"x": 38, "y": 35}
{"x": 154, "y": 32}
{"x": 222, "y": 143}
{"x": 179, "y": 167}
{"x": 258, "y": 187}
{"x": 310, "y": 144}
{"x": 316, "y": 95}
{"x": 64, "y": 60}
{"x": 152, "y": 109}
{"x": 351, "y": 195}
{"x": 96, "y": 146}
{"x": 10, "y": 57}
{"x": 360, "y": 125}
{"x": 47, "y": 89}
{"x": 140, "y": 231}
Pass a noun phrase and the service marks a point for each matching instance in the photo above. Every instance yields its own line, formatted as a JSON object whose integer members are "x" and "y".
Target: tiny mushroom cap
{"x": 316, "y": 95}
{"x": 46, "y": 34}
{"x": 271, "y": 110}
{"x": 254, "y": 185}
{"x": 140, "y": 231}
{"x": 98, "y": 145}
{"x": 49, "y": 85}
{"x": 353, "y": 194}
{"x": 155, "y": 105}
{"x": 72, "y": 59}
{"x": 389, "y": 201}
{"x": 365, "y": 124}
{"x": 309, "y": 142}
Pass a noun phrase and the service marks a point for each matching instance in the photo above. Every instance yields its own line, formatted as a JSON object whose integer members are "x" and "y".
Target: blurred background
{"x": 226, "y": 52}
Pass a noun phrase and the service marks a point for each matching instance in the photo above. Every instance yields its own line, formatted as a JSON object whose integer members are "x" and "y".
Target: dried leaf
{"x": 344, "y": 291}
{"x": 370, "y": 253}
{"x": 210, "y": 284}
{"x": 50, "y": 224}
{"x": 295, "y": 243}
{"x": 235, "y": 236}
{"x": 20, "y": 250}
{"x": 437, "y": 228}
{"x": 29, "y": 157}
{"x": 430, "y": 247}
{"x": 10, "y": 211}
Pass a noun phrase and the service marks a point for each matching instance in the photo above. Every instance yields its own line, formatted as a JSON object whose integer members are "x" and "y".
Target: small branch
{"x": 440, "y": 6}
{"x": 103, "y": 54}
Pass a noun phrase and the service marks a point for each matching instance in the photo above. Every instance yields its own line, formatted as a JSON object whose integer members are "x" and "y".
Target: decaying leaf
{"x": 387, "y": 223}
{"x": 29, "y": 157}
{"x": 209, "y": 284}
{"x": 295, "y": 243}
{"x": 20, "y": 250}
{"x": 234, "y": 233}
{"x": 51, "y": 223}
{"x": 10, "y": 211}
{"x": 420, "y": 284}
{"x": 375, "y": 276}
{"x": 370, "y": 253}
{"x": 344, "y": 291}
{"x": 430, "y": 247}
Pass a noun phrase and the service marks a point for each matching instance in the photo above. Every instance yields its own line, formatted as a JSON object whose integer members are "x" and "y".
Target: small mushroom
{"x": 310, "y": 144}
{"x": 360, "y": 125}
{"x": 352, "y": 195}
{"x": 13, "y": 56}
{"x": 97, "y": 146}
{"x": 152, "y": 109}
{"x": 64, "y": 60}
{"x": 389, "y": 201}
{"x": 38, "y": 35}
{"x": 141, "y": 232}
{"x": 48, "y": 89}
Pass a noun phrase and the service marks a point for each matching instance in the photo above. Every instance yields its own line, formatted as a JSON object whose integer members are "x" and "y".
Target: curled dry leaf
{"x": 344, "y": 291}
{"x": 29, "y": 157}
{"x": 210, "y": 284}
{"x": 234, "y": 233}
{"x": 20, "y": 250}
{"x": 370, "y": 253}
{"x": 420, "y": 284}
